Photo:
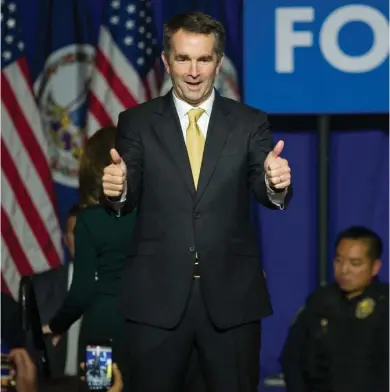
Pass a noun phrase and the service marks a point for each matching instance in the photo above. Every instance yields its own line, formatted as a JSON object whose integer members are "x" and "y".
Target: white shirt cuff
{"x": 117, "y": 205}
{"x": 276, "y": 198}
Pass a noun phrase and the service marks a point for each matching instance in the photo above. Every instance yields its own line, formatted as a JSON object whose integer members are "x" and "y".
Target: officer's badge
{"x": 324, "y": 322}
{"x": 364, "y": 308}
{"x": 324, "y": 325}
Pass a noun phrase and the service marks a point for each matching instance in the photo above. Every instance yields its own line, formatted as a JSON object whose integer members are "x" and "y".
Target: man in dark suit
{"x": 189, "y": 161}
{"x": 50, "y": 289}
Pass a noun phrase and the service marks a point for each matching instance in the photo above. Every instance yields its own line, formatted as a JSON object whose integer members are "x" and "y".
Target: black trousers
{"x": 157, "y": 360}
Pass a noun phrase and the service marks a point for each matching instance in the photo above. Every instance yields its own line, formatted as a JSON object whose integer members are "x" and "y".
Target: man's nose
{"x": 194, "y": 69}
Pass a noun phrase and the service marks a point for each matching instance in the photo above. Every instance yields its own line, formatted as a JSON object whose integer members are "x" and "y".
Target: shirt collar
{"x": 182, "y": 107}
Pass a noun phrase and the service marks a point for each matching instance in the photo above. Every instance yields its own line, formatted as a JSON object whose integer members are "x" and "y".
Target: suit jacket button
{"x": 192, "y": 249}
{"x": 196, "y": 215}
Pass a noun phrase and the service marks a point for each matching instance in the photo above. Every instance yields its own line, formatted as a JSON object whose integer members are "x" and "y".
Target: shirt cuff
{"x": 276, "y": 198}
{"x": 117, "y": 205}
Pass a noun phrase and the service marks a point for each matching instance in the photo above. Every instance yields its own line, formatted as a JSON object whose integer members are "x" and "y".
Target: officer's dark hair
{"x": 361, "y": 233}
{"x": 197, "y": 23}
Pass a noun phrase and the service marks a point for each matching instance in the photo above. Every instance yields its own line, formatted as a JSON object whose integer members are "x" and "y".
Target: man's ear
{"x": 376, "y": 267}
{"x": 164, "y": 59}
{"x": 219, "y": 66}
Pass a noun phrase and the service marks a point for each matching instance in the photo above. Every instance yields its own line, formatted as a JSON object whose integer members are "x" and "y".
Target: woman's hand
{"x": 47, "y": 331}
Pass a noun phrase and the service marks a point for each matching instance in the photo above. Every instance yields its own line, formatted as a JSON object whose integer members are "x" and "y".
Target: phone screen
{"x": 98, "y": 367}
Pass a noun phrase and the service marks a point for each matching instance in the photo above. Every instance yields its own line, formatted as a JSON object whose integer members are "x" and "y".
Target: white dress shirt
{"x": 182, "y": 109}
{"x": 71, "y": 365}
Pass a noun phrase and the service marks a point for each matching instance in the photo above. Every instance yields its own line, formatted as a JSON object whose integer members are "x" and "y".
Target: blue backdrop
{"x": 294, "y": 50}
{"x": 358, "y": 194}
{"x": 358, "y": 168}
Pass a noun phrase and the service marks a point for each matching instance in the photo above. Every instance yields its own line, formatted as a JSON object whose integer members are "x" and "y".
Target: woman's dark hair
{"x": 95, "y": 157}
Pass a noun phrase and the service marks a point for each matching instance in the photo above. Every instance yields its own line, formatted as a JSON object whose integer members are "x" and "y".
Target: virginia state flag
{"x": 62, "y": 70}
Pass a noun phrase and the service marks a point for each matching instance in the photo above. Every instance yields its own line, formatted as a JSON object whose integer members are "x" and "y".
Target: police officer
{"x": 339, "y": 341}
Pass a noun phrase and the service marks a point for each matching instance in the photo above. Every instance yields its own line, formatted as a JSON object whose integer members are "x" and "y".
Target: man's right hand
{"x": 115, "y": 176}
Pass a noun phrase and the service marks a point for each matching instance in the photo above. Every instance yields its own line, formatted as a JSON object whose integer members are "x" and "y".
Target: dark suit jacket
{"x": 11, "y": 323}
{"x": 176, "y": 221}
{"x": 50, "y": 290}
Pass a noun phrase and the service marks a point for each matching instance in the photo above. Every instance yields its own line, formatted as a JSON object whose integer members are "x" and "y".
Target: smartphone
{"x": 98, "y": 366}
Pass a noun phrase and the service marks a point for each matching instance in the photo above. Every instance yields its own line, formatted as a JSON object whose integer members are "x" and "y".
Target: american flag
{"x": 126, "y": 68}
{"x": 30, "y": 232}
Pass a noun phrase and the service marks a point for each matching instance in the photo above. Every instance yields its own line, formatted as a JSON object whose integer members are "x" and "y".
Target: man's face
{"x": 353, "y": 268}
{"x": 69, "y": 235}
{"x": 192, "y": 65}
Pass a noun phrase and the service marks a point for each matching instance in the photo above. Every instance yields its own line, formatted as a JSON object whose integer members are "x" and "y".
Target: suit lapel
{"x": 217, "y": 133}
{"x": 168, "y": 130}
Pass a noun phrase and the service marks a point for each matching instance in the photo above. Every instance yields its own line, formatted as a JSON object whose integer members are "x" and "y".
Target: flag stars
{"x": 131, "y": 9}
{"x": 148, "y": 51}
{"x": 11, "y": 23}
{"x": 140, "y": 61}
{"x": 115, "y": 4}
{"x": 9, "y": 39}
{"x": 141, "y": 45}
{"x": 148, "y": 19}
{"x": 12, "y": 7}
{"x": 129, "y": 24}
{"x": 114, "y": 20}
{"x": 6, "y": 55}
{"x": 128, "y": 40}
{"x": 141, "y": 29}
{"x": 142, "y": 14}
{"x": 149, "y": 35}
{"x": 20, "y": 45}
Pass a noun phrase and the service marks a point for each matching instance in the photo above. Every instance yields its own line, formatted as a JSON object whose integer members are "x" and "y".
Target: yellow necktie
{"x": 195, "y": 143}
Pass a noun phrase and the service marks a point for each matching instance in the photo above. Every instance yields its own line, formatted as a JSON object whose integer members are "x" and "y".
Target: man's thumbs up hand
{"x": 277, "y": 169}
{"x": 114, "y": 176}
{"x": 116, "y": 158}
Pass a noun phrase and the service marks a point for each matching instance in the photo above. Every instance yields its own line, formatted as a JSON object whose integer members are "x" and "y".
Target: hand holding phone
{"x": 23, "y": 373}
{"x": 7, "y": 373}
{"x": 98, "y": 366}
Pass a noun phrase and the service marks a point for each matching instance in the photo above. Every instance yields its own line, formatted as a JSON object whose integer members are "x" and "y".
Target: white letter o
{"x": 329, "y": 42}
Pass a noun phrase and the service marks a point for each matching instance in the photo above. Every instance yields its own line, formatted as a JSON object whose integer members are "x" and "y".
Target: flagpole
{"x": 323, "y": 129}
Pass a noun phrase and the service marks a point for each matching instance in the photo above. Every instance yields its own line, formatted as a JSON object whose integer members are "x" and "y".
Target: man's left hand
{"x": 276, "y": 169}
